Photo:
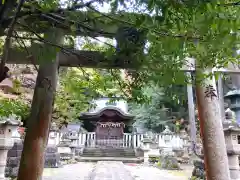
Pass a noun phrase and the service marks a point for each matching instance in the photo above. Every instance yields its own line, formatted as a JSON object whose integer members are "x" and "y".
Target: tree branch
{"x": 75, "y": 6}
{"x": 146, "y": 28}
{"x": 8, "y": 38}
{"x": 230, "y": 4}
{"x": 64, "y": 50}
{"x": 25, "y": 47}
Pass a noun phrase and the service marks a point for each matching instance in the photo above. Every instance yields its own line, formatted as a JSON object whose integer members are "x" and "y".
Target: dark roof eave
{"x": 89, "y": 115}
{"x": 97, "y": 116}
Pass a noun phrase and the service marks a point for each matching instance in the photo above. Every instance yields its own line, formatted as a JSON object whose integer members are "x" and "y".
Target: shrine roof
{"x": 92, "y": 115}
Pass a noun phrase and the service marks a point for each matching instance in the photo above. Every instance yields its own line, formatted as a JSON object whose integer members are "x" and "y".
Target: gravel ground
{"x": 112, "y": 171}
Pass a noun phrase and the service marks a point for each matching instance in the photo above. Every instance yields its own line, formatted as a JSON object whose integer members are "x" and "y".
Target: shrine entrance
{"x": 109, "y": 134}
{"x": 109, "y": 125}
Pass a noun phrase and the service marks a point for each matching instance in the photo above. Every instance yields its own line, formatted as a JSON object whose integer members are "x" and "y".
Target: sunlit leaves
{"x": 11, "y": 106}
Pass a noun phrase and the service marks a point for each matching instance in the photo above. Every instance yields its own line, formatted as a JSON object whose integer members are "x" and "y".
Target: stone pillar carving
{"x": 7, "y": 126}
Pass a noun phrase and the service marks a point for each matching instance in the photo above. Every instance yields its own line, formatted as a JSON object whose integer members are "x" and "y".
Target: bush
{"x": 153, "y": 159}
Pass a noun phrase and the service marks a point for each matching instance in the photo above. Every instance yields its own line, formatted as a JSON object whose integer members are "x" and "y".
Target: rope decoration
{"x": 111, "y": 124}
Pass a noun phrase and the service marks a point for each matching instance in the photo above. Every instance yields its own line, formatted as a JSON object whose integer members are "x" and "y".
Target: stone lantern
{"x": 64, "y": 147}
{"x": 54, "y": 138}
{"x": 7, "y": 126}
{"x": 232, "y": 139}
{"x": 186, "y": 145}
{"x": 146, "y": 142}
{"x": 166, "y": 146}
{"x": 234, "y": 97}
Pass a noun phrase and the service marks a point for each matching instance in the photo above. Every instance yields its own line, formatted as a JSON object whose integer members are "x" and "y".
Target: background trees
{"x": 165, "y": 107}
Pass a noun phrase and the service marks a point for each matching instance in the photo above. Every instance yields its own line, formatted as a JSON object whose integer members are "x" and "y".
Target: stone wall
{"x": 52, "y": 158}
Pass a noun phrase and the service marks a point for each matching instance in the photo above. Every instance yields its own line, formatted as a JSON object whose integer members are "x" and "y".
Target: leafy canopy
{"x": 174, "y": 30}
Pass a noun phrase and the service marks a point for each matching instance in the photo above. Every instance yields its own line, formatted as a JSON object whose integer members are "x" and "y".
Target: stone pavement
{"x": 111, "y": 171}
{"x": 141, "y": 172}
{"x": 79, "y": 171}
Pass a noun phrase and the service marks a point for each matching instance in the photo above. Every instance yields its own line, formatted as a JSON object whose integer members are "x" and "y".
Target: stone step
{"x": 97, "y": 152}
{"x": 107, "y": 155}
{"x": 108, "y": 150}
{"x": 121, "y": 159}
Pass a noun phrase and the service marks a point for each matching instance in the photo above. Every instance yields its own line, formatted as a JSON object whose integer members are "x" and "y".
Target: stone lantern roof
{"x": 231, "y": 128}
{"x": 54, "y": 127}
{"x": 11, "y": 120}
{"x": 167, "y": 131}
{"x": 6, "y": 83}
{"x": 229, "y": 114}
{"x": 233, "y": 93}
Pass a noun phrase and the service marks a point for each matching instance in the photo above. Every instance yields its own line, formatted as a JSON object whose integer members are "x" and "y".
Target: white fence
{"x": 129, "y": 140}
{"x": 134, "y": 140}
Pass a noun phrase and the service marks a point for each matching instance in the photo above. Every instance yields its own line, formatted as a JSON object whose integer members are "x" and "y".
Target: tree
{"x": 161, "y": 110}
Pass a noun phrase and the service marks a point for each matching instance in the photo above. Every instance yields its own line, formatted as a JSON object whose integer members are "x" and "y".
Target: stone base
{"x": 198, "y": 171}
{"x": 52, "y": 159}
{"x": 235, "y": 174}
{"x": 169, "y": 163}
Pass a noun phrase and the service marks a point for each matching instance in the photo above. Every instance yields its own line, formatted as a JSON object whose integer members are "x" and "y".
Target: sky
{"x": 105, "y": 8}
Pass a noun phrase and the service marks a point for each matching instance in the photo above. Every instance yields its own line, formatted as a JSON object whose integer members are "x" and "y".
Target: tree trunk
{"x": 215, "y": 154}
{"x": 32, "y": 160}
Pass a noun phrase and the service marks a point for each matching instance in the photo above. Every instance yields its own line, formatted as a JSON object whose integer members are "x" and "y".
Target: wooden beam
{"x": 93, "y": 59}
{"x": 90, "y": 59}
{"x": 221, "y": 96}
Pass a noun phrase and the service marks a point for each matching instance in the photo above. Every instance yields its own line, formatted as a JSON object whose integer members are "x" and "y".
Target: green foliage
{"x": 77, "y": 88}
{"x": 153, "y": 159}
{"x": 162, "y": 109}
{"x": 12, "y": 106}
{"x": 205, "y": 30}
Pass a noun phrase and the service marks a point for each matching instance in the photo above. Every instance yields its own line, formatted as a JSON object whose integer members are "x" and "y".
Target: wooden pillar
{"x": 215, "y": 154}
{"x": 38, "y": 125}
{"x": 32, "y": 161}
{"x": 221, "y": 96}
{"x": 191, "y": 111}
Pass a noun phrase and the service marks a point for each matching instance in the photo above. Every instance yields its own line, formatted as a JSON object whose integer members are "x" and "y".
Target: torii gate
{"x": 40, "y": 118}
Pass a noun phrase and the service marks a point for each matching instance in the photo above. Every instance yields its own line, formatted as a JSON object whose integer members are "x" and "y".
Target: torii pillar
{"x": 38, "y": 125}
